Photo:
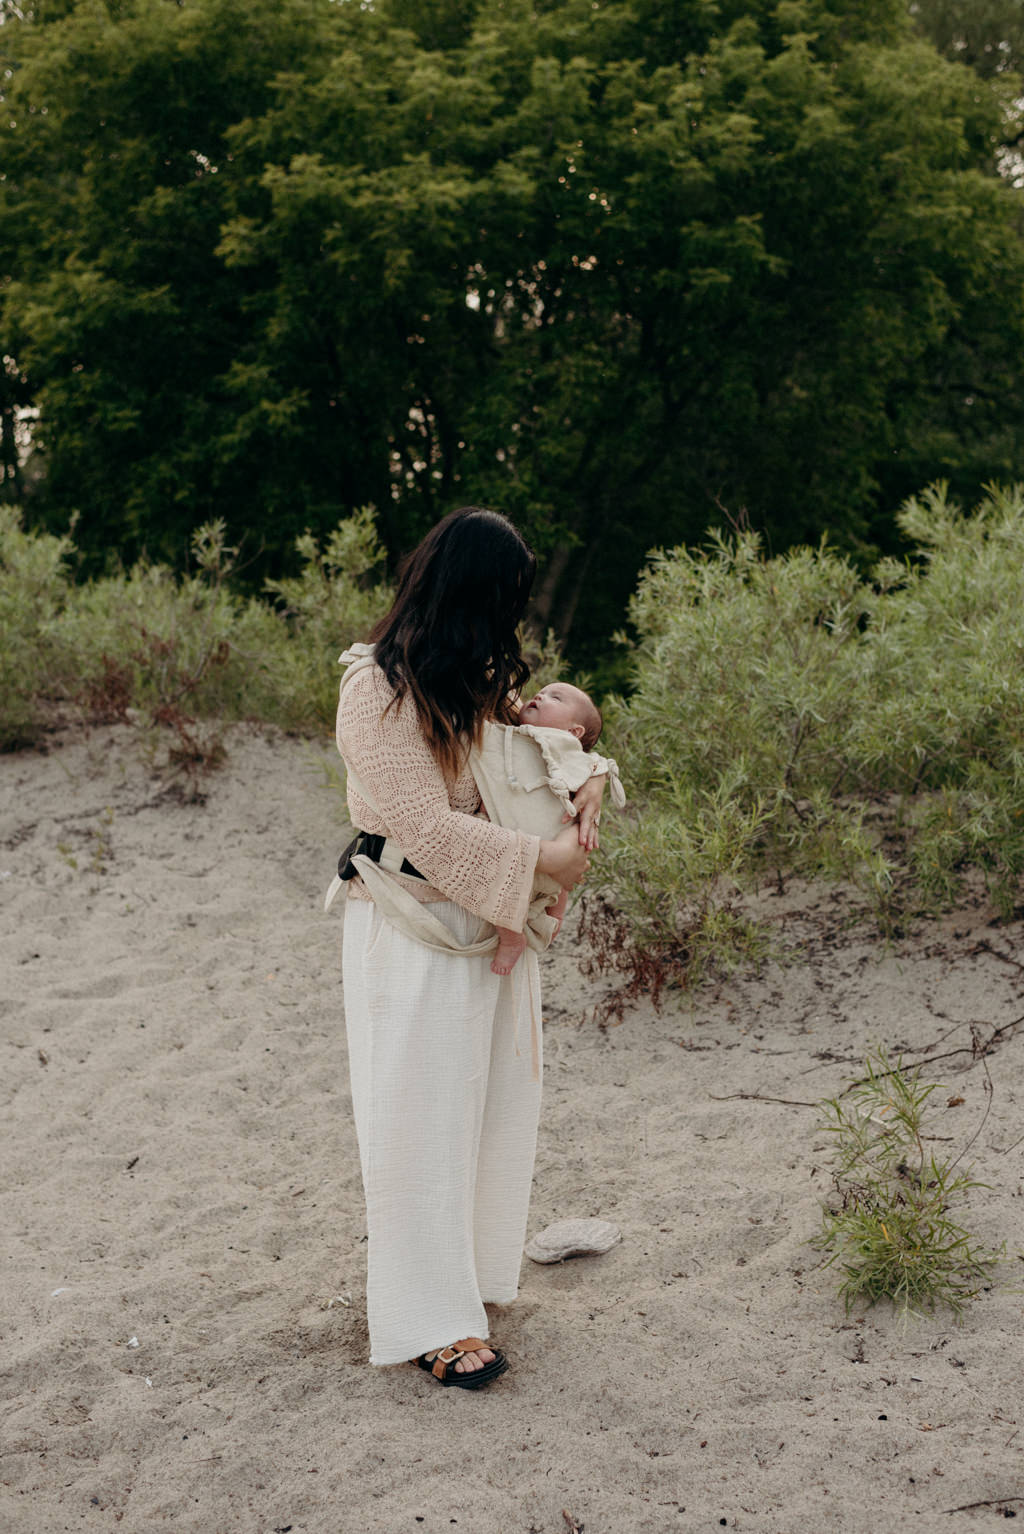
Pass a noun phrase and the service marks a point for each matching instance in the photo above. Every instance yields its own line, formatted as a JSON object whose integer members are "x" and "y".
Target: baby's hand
{"x": 587, "y": 801}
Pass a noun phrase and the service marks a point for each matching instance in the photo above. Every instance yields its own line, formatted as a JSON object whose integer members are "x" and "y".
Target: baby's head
{"x": 560, "y": 706}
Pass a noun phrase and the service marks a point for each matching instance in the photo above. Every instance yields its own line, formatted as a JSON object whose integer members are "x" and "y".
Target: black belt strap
{"x": 365, "y": 844}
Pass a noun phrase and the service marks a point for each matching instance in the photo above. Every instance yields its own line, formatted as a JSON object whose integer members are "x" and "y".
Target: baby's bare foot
{"x": 503, "y": 964}
{"x": 507, "y": 953}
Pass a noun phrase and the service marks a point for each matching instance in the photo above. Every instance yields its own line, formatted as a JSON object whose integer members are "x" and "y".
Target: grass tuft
{"x": 889, "y": 1229}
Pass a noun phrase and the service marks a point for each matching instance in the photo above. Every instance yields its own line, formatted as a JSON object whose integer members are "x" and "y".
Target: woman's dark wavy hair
{"x": 450, "y": 641}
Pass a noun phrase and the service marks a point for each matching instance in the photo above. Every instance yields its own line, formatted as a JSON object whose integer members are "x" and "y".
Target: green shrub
{"x": 153, "y": 642}
{"x": 33, "y": 588}
{"x": 672, "y": 878}
{"x": 335, "y": 599}
{"x": 788, "y": 716}
{"x": 169, "y": 650}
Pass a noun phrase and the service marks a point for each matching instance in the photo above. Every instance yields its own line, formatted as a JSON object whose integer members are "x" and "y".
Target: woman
{"x": 446, "y": 1103}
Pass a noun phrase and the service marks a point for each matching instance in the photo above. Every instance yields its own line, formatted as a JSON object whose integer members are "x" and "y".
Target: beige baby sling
{"x": 525, "y": 775}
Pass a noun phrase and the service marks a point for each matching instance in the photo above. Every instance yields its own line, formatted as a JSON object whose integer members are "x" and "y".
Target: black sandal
{"x": 442, "y": 1365}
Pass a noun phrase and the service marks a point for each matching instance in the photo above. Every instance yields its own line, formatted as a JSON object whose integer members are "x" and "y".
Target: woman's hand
{"x": 564, "y": 859}
{"x": 588, "y": 805}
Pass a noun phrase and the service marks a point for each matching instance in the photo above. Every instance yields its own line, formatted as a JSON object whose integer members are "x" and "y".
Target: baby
{"x": 559, "y": 706}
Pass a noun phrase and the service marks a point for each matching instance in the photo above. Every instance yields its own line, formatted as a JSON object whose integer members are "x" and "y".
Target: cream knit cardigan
{"x": 523, "y": 775}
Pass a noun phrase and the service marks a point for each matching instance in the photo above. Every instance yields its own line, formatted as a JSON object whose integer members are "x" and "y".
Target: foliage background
{"x": 618, "y": 268}
{"x": 784, "y": 714}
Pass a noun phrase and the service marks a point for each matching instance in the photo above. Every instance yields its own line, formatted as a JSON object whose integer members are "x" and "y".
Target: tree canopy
{"x": 988, "y": 35}
{"x": 619, "y": 269}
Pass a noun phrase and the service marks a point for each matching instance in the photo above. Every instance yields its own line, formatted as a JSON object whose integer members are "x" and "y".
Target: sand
{"x": 183, "y": 1324}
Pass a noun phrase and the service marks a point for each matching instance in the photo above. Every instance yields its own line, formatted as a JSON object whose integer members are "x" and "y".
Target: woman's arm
{"x": 565, "y": 859}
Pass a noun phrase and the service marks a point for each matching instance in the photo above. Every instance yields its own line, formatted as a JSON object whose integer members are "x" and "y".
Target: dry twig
{"x": 759, "y": 1097}
{"x": 992, "y": 1502}
{"x": 977, "y": 1049}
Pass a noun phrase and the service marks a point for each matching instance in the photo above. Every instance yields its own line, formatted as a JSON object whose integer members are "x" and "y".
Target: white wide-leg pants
{"x": 446, "y": 1108}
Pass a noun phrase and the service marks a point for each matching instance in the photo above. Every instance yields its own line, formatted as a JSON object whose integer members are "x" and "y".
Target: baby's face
{"x": 558, "y": 707}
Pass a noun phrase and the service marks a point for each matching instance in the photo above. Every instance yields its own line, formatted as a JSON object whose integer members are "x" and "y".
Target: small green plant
{"x": 888, "y": 1228}
{"x": 101, "y": 848}
{"x": 98, "y": 846}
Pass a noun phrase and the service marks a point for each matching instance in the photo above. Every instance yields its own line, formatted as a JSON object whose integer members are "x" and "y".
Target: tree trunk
{"x": 546, "y": 590}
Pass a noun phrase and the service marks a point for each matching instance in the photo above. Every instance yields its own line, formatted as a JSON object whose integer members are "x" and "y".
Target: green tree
{"x": 987, "y": 35}
{"x": 115, "y": 304}
{"x": 611, "y": 267}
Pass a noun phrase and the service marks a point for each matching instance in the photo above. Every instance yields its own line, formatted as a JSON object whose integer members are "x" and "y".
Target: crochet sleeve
{"x": 482, "y": 867}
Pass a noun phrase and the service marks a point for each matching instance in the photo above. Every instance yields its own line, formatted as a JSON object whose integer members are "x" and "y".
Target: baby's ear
{"x": 579, "y": 730}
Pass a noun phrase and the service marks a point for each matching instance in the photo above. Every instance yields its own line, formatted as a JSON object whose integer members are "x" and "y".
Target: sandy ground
{"x": 182, "y": 1301}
